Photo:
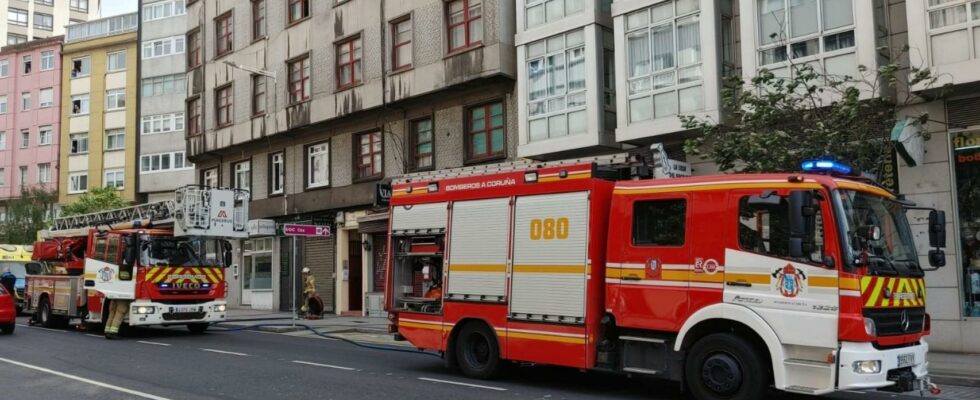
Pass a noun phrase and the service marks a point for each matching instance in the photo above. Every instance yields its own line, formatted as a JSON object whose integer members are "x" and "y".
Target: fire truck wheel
{"x": 477, "y": 352}
{"x": 46, "y": 318}
{"x": 197, "y": 328}
{"x": 724, "y": 366}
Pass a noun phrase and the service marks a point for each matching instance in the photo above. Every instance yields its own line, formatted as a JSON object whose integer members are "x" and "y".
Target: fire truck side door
{"x": 103, "y": 264}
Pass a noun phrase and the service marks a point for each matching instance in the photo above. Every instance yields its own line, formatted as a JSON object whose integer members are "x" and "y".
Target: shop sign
{"x": 888, "y": 172}
{"x": 261, "y": 227}
{"x": 382, "y": 195}
{"x": 306, "y": 230}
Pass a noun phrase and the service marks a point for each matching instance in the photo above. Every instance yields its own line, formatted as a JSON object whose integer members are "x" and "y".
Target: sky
{"x": 116, "y": 7}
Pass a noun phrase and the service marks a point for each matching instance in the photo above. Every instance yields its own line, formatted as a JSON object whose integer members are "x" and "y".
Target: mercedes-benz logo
{"x": 905, "y": 321}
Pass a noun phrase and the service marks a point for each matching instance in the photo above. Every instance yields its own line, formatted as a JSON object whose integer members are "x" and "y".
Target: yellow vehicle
{"x": 15, "y": 258}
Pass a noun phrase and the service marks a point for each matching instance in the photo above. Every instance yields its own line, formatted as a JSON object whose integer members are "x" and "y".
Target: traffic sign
{"x": 306, "y": 230}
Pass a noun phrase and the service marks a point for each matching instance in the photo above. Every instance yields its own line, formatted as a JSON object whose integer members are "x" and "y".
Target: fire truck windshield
{"x": 877, "y": 234}
{"x": 180, "y": 252}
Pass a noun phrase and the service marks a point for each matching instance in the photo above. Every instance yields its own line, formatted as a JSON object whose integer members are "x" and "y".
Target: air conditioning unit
{"x": 374, "y": 302}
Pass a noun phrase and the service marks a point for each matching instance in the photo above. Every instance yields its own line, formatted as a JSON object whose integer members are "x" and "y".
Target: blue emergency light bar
{"x": 826, "y": 166}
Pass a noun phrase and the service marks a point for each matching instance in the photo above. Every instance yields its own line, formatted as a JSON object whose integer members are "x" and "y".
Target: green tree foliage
{"x": 97, "y": 199}
{"x": 774, "y": 123}
{"x": 26, "y": 215}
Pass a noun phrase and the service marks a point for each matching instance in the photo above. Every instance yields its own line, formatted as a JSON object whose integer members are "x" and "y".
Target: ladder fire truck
{"x": 731, "y": 284}
{"x": 167, "y": 257}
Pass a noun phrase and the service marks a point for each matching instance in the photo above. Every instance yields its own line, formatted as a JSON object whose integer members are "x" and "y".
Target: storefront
{"x": 966, "y": 163}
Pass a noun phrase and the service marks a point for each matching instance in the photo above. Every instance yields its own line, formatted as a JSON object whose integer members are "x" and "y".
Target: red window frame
{"x": 223, "y": 35}
{"x": 304, "y": 10}
{"x": 352, "y": 63}
{"x": 487, "y": 132}
{"x": 299, "y": 78}
{"x": 415, "y": 143}
{"x": 370, "y": 169}
{"x": 258, "y": 94}
{"x": 223, "y": 105}
{"x": 258, "y": 19}
{"x": 396, "y": 63}
{"x": 194, "y": 48}
{"x": 467, "y": 19}
{"x": 194, "y": 127}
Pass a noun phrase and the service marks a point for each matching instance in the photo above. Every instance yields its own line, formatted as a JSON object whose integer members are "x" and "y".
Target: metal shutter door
{"x": 318, "y": 255}
{"x": 478, "y": 250}
{"x": 419, "y": 217}
{"x": 550, "y": 273}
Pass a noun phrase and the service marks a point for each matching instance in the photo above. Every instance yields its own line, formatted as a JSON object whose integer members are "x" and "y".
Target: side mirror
{"x": 34, "y": 268}
{"x": 802, "y": 218}
{"x": 132, "y": 248}
{"x": 937, "y": 258}
{"x": 937, "y": 229}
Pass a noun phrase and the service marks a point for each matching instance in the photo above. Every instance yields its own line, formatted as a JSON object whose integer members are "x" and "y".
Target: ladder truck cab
{"x": 168, "y": 258}
{"x": 731, "y": 284}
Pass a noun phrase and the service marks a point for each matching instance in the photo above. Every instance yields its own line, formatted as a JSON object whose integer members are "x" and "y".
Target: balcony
{"x": 102, "y": 28}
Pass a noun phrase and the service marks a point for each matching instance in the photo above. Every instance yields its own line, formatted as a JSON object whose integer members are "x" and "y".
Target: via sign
{"x": 306, "y": 230}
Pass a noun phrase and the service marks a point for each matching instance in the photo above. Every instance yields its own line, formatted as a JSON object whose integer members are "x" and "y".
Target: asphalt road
{"x": 169, "y": 363}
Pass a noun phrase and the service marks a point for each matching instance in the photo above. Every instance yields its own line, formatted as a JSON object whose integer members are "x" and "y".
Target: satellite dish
{"x": 908, "y": 141}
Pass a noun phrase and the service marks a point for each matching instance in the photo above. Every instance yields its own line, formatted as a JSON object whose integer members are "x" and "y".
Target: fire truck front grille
{"x": 891, "y": 321}
{"x": 183, "y": 316}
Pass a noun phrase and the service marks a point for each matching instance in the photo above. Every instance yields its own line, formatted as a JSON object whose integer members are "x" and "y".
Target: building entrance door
{"x": 355, "y": 286}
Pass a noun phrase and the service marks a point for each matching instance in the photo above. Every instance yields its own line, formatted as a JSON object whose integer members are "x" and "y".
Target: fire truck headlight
{"x": 867, "y": 367}
{"x": 869, "y": 327}
{"x": 144, "y": 310}
{"x": 220, "y": 308}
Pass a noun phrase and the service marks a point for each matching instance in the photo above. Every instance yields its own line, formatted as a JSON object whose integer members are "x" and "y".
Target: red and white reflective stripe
{"x": 850, "y": 293}
{"x": 549, "y": 333}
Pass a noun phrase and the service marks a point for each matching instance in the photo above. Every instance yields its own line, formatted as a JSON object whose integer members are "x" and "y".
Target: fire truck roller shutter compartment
{"x": 419, "y": 218}
{"x": 550, "y": 257}
{"x": 479, "y": 239}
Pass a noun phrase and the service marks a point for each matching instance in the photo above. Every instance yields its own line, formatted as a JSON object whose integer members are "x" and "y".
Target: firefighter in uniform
{"x": 118, "y": 309}
{"x": 309, "y": 295}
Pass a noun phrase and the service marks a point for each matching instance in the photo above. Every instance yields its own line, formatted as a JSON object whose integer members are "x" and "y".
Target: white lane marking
{"x": 499, "y": 389}
{"x": 226, "y": 352}
{"x": 153, "y": 343}
{"x": 324, "y": 365}
{"x": 84, "y": 380}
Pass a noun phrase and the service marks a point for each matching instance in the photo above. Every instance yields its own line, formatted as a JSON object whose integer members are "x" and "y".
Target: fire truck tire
{"x": 7, "y": 329}
{"x": 477, "y": 352}
{"x": 47, "y": 318}
{"x": 197, "y": 328}
{"x": 724, "y": 366}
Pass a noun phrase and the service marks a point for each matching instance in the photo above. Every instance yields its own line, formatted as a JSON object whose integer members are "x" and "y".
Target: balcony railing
{"x": 102, "y": 27}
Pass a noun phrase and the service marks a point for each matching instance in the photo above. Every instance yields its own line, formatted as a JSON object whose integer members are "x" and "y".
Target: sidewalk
{"x": 360, "y": 329}
{"x": 955, "y": 368}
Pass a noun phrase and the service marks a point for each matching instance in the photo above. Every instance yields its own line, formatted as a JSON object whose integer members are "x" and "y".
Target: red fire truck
{"x": 167, "y": 257}
{"x": 730, "y": 284}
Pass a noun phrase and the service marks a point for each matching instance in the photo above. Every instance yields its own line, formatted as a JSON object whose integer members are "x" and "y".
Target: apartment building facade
{"x": 30, "y": 117}
{"x": 38, "y": 19}
{"x": 98, "y": 119}
{"x": 311, "y": 105}
{"x": 163, "y": 164}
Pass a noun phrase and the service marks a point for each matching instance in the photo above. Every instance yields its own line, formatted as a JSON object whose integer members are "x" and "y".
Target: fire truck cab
{"x": 808, "y": 283}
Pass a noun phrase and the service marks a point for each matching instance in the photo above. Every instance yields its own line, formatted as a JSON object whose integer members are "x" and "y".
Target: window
{"x": 298, "y": 9}
{"x": 258, "y": 95}
{"x": 258, "y": 19}
{"x": 954, "y": 30}
{"x": 25, "y": 138}
{"x": 45, "y": 2}
{"x": 160, "y": 85}
{"x": 223, "y": 35}
{"x": 116, "y": 61}
{"x": 79, "y": 143}
{"x": 194, "y": 120}
{"x": 209, "y": 177}
{"x": 115, "y": 178}
{"x": 368, "y": 155}
{"x": 27, "y": 65}
{"x": 24, "y": 177}
{"x": 3, "y": 140}
{"x": 422, "y": 144}
{"x": 223, "y": 105}
{"x": 78, "y": 5}
{"x": 194, "y": 49}
{"x": 79, "y": 104}
{"x": 243, "y": 175}
{"x": 161, "y": 123}
{"x": 47, "y": 60}
{"x": 663, "y": 55}
{"x": 277, "y": 173}
{"x": 401, "y": 44}
{"x": 16, "y": 16}
{"x": 659, "y": 222}
{"x": 163, "y": 47}
{"x": 163, "y": 9}
{"x": 43, "y": 21}
{"x": 763, "y": 227}
{"x": 115, "y": 99}
{"x": 150, "y": 163}
{"x": 44, "y": 173}
{"x": 349, "y": 63}
{"x": 3, "y": 179}
{"x": 485, "y": 136}
{"x": 556, "y": 86}
{"x": 4, "y": 68}
{"x": 299, "y": 80}
{"x": 45, "y": 97}
{"x": 25, "y": 101}
{"x": 797, "y": 29}
{"x": 81, "y": 67}
{"x": 465, "y": 25}
{"x": 3, "y": 104}
{"x": 78, "y": 182}
{"x": 13, "y": 38}
{"x": 44, "y": 135}
{"x": 115, "y": 139}
{"x": 542, "y": 11}
{"x": 318, "y": 165}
